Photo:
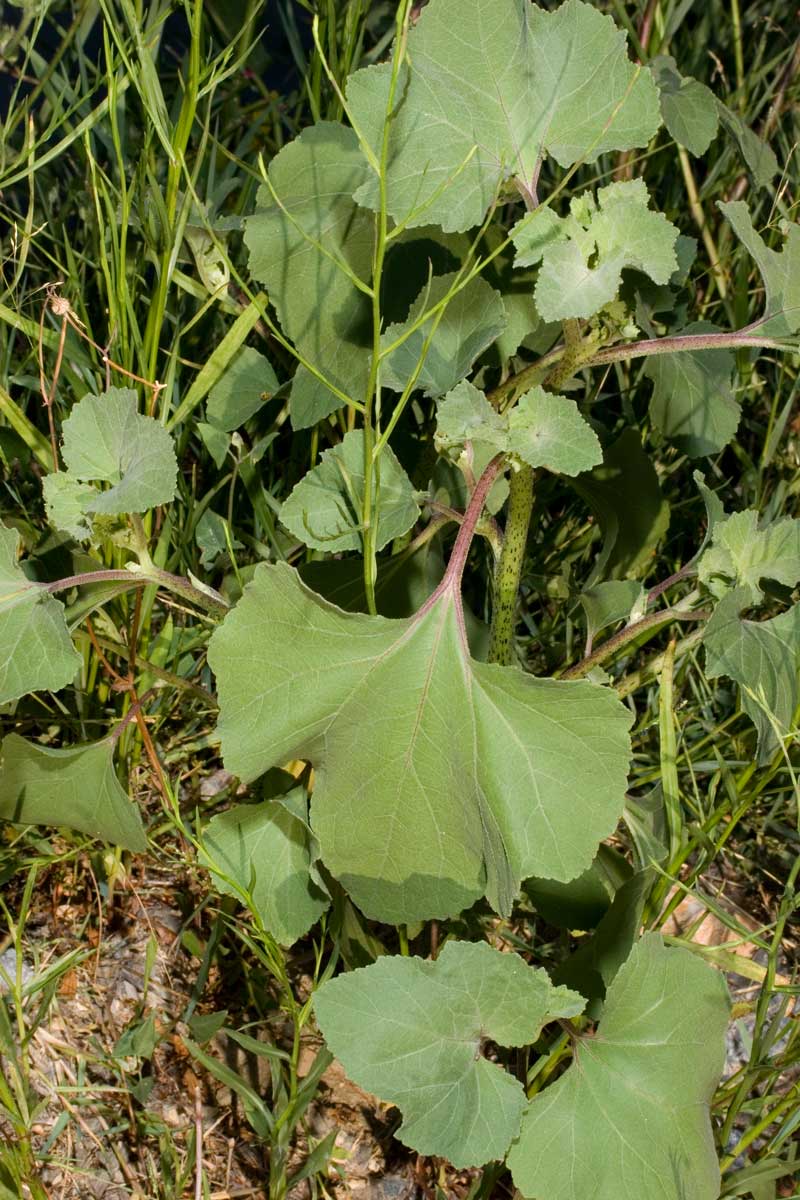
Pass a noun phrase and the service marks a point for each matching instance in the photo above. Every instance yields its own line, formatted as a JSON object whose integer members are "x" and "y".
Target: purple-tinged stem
{"x": 743, "y": 338}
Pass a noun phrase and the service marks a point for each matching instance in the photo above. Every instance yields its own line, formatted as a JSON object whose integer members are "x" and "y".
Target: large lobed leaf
{"x": 76, "y": 787}
{"x": 36, "y": 650}
{"x": 492, "y": 89}
{"x": 438, "y": 778}
{"x": 413, "y": 1032}
{"x": 630, "y": 1118}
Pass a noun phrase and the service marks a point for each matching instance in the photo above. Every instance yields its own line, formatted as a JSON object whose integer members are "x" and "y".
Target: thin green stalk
{"x": 372, "y": 397}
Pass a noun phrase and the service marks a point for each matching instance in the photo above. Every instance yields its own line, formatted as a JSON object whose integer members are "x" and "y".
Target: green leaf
{"x": 629, "y": 1119}
{"x": 763, "y": 657}
{"x": 473, "y": 319}
{"x": 77, "y": 788}
{"x": 543, "y": 429}
{"x": 693, "y": 401}
{"x": 211, "y": 537}
{"x": 306, "y": 249}
{"x": 106, "y": 440}
{"x": 581, "y": 272}
{"x": 547, "y": 430}
{"x": 688, "y": 108}
{"x": 66, "y": 503}
{"x": 607, "y": 603}
{"x": 36, "y": 651}
{"x": 215, "y": 441}
{"x": 324, "y": 509}
{"x": 491, "y": 90}
{"x": 741, "y": 554}
{"x": 626, "y": 498}
{"x": 758, "y": 155}
{"x": 246, "y": 385}
{"x": 439, "y": 779}
{"x": 780, "y": 270}
{"x": 584, "y": 901}
{"x": 592, "y": 967}
{"x": 465, "y": 415}
{"x": 264, "y": 851}
{"x": 412, "y": 1031}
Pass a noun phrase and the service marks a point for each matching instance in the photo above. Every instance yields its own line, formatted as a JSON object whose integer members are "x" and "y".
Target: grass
{"x": 132, "y": 142}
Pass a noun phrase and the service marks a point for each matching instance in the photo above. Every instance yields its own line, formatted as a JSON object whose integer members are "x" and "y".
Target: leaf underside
{"x": 438, "y": 778}
{"x": 412, "y": 1031}
{"x": 630, "y": 1118}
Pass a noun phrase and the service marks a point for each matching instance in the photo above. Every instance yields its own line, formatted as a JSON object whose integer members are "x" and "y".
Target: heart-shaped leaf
{"x": 412, "y": 1032}
{"x": 473, "y": 318}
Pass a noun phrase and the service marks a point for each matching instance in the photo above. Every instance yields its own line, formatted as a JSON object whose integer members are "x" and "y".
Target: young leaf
{"x": 780, "y": 270}
{"x": 66, "y": 502}
{"x": 606, "y": 603}
{"x": 491, "y": 90}
{"x": 688, "y": 108}
{"x": 36, "y": 651}
{"x": 763, "y": 658}
{"x": 439, "y": 778}
{"x": 106, "y": 440}
{"x": 76, "y": 787}
{"x": 741, "y": 555}
{"x": 547, "y": 430}
{"x": 543, "y": 429}
{"x": 629, "y": 1119}
{"x": 693, "y": 402}
{"x": 306, "y": 247}
{"x": 211, "y": 537}
{"x": 583, "y": 260}
{"x": 324, "y": 509}
{"x": 465, "y": 415}
{"x": 264, "y": 850}
{"x": 412, "y": 1031}
{"x": 248, "y": 382}
{"x": 472, "y": 320}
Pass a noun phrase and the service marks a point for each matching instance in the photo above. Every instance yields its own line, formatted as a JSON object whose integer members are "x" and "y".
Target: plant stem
{"x": 520, "y": 506}
{"x": 629, "y": 634}
{"x": 146, "y": 575}
{"x": 509, "y": 569}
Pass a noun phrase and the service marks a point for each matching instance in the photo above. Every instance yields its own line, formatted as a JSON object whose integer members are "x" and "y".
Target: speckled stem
{"x": 509, "y": 569}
